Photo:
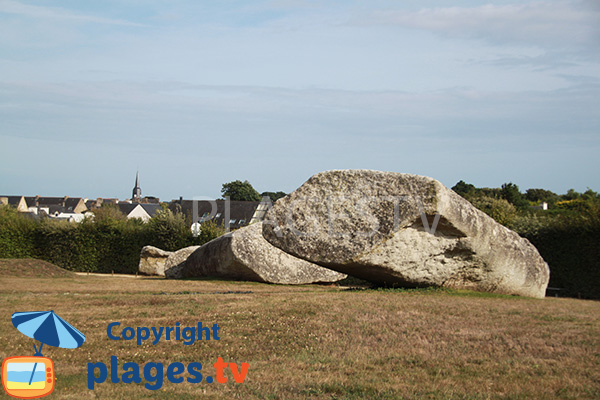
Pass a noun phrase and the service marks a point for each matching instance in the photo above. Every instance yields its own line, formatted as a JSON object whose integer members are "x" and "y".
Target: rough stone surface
{"x": 152, "y": 261}
{"x": 379, "y": 226}
{"x": 244, "y": 254}
{"x": 175, "y": 262}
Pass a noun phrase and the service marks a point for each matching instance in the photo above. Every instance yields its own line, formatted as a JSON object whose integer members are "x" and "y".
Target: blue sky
{"x": 198, "y": 93}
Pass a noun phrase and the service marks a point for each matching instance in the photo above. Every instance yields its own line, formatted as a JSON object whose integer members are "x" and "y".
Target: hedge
{"x": 570, "y": 246}
{"x": 573, "y": 255}
{"x": 104, "y": 245}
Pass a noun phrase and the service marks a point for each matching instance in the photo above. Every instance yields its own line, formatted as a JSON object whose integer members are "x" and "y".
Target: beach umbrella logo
{"x": 33, "y": 377}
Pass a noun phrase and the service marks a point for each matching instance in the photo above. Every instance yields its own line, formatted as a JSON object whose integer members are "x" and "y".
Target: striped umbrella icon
{"x": 48, "y": 328}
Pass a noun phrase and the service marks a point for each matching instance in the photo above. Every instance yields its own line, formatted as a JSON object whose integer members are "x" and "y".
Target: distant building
{"x": 137, "y": 190}
{"x": 99, "y": 202}
{"x": 541, "y": 206}
{"x": 151, "y": 200}
{"x": 69, "y": 208}
{"x": 17, "y": 202}
{"x": 93, "y": 204}
{"x": 137, "y": 210}
{"x": 237, "y": 215}
{"x": 76, "y": 205}
{"x": 54, "y": 205}
{"x": 71, "y": 217}
{"x": 136, "y": 195}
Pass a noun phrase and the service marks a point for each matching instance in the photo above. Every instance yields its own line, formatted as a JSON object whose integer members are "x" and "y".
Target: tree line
{"x": 244, "y": 191}
{"x": 567, "y": 233}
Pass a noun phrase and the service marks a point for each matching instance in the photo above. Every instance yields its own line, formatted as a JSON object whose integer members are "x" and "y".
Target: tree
{"x": 510, "y": 192}
{"x": 240, "y": 191}
{"x": 589, "y": 194}
{"x": 167, "y": 230}
{"x": 499, "y": 209}
{"x": 108, "y": 214}
{"x": 274, "y": 196}
{"x": 495, "y": 193}
{"x": 208, "y": 231}
{"x": 571, "y": 195}
{"x": 539, "y": 195}
{"x": 466, "y": 190}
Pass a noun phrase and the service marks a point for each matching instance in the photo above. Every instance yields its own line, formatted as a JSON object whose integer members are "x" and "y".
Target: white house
{"x": 138, "y": 210}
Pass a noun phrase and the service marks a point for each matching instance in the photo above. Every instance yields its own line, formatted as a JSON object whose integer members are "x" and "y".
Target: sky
{"x": 196, "y": 93}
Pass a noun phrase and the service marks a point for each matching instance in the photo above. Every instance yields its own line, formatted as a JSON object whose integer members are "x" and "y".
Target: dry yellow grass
{"x": 319, "y": 342}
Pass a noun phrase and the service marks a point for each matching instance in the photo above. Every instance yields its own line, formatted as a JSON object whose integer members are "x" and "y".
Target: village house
{"x": 50, "y": 206}
{"x": 232, "y": 214}
{"x": 99, "y": 202}
{"x": 17, "y": 202}
{"x": 229, "y": 214}
{"x": 139, "y": 210}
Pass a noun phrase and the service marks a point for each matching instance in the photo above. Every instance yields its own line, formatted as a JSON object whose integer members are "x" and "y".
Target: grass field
{"x": 316, "y": 342}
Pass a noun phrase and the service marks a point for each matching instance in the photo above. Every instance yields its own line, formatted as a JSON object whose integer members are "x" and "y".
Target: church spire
{"x": 137, "y": 191}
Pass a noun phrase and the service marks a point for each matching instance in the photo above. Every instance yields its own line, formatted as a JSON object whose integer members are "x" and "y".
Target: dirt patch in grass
{"x": 30, "y": 267}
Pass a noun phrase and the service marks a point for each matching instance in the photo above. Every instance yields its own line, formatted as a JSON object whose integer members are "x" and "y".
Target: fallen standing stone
{"x": 402, "y": 230}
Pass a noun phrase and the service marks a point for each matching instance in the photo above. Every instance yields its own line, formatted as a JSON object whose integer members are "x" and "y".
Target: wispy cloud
{"x": 99, "y": 111}
{"x": 40, "y": 12}
{"x": 299, "y": 131}
{"x": 581, "y": 79}
{"x": 556, "y": 23}
{"x": 405, "y": 86}
{"x": 542, "y": 62}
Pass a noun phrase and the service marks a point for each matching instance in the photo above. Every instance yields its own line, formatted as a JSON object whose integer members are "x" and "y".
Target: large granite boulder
{"x": 402, "y": 230}
{"x": 245, "y": 255}
{"x": 176, "y": 261}
{"x": 152, "y": 261}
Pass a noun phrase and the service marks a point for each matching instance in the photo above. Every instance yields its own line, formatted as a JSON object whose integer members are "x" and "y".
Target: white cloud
{"x": 30, "y": 11}
{"x": 544, "y": 23}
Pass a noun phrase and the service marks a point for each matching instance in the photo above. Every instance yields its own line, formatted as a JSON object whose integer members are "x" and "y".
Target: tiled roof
{"x": 12, "y": 200}
{"x": 151, "y": 208}
{"x": 240, "y": 212}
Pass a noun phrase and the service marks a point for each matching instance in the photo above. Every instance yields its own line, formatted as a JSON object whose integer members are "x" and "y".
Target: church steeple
{"x": 137, "y": 191}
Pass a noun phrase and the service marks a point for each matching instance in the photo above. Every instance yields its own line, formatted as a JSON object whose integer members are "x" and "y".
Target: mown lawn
{"x": 317, "y": 342}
